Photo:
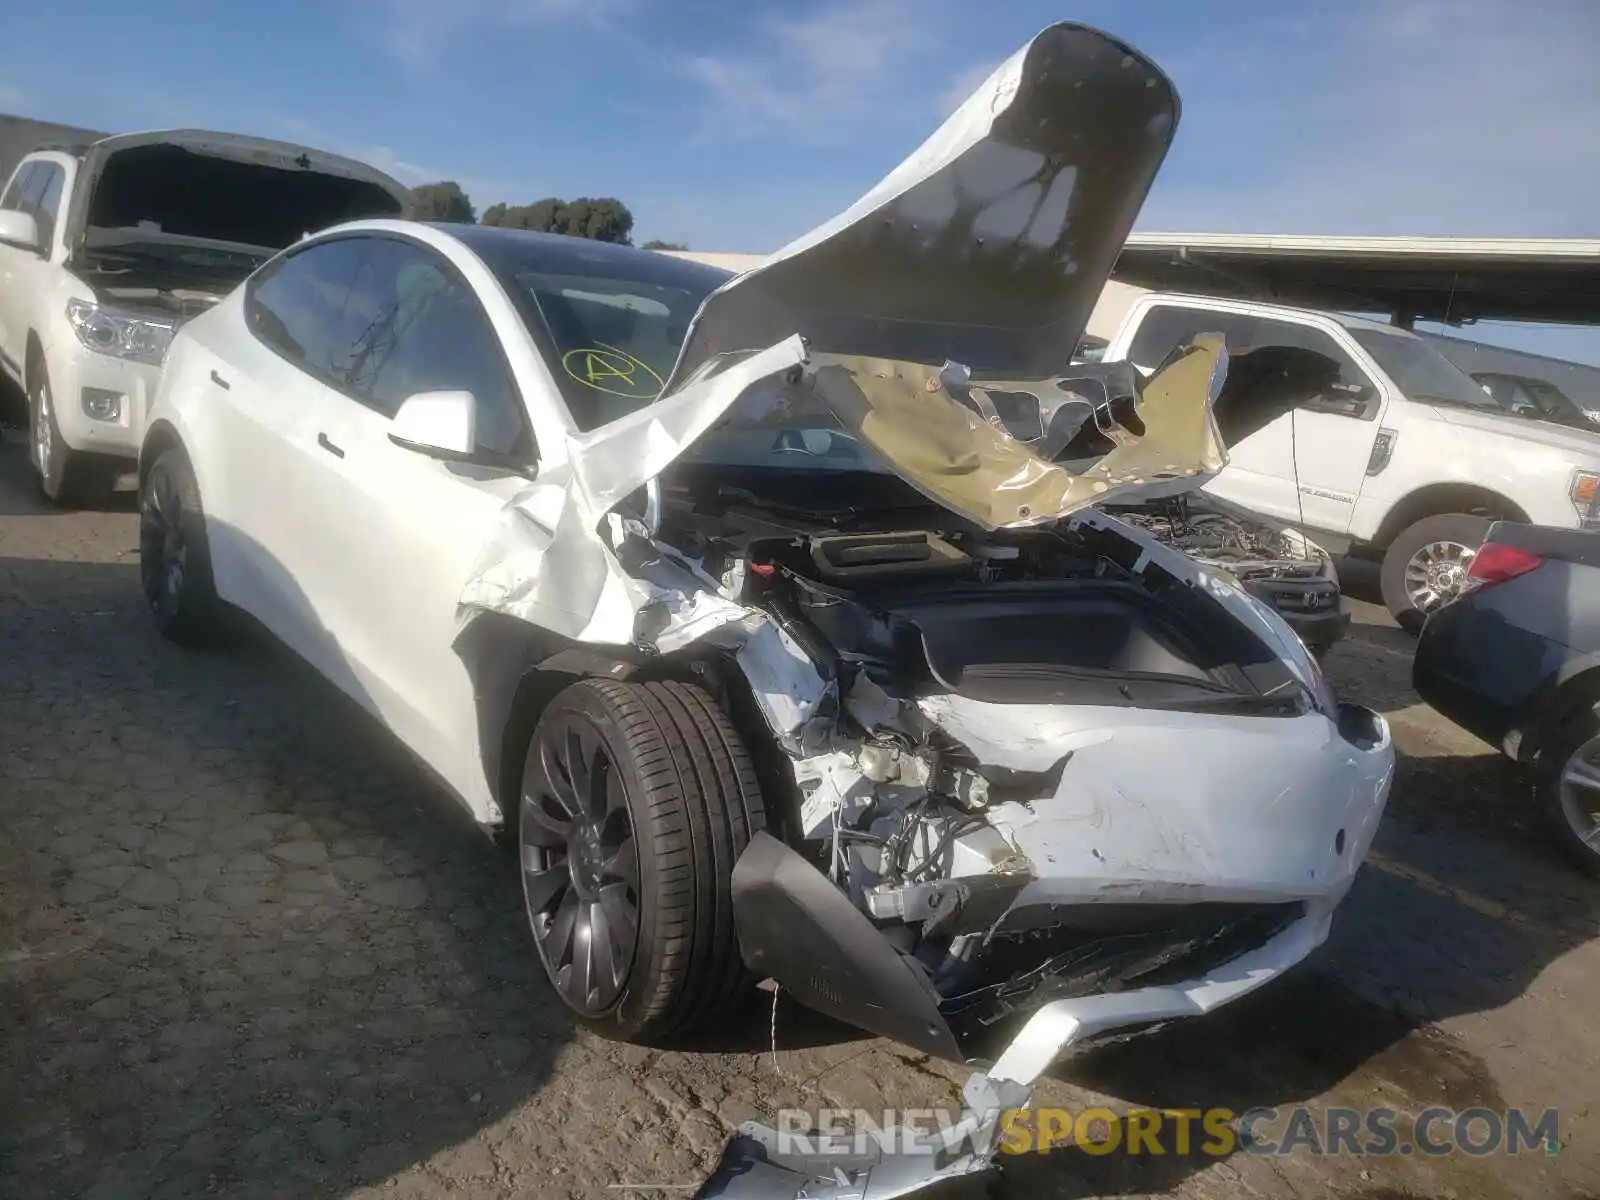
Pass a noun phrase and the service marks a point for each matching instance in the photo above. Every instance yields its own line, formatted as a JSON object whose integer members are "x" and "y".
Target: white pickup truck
{"x": 1369, "y": 440}
{"x": 108, "y": 245}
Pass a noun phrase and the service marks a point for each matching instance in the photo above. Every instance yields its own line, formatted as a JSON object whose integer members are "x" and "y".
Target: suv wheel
{"x": 174, "y": 556}
{"x": 67, "y": 478}
{"x": 1569, "y": 789}
{"x": 637, "y": 799}
{"x": 1426, "y": 566}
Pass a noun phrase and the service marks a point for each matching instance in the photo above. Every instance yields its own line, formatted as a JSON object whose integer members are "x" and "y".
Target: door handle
{"x": 220, "y": 381}
{"x": 322, "y": 440}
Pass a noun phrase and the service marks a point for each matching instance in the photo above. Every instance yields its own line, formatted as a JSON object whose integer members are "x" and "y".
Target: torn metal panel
{"x": 798, "y": 703}
{"x": 546, "y": 563}
{"x": 905, "y": 413}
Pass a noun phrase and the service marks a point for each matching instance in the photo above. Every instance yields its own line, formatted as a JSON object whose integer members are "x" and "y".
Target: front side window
{"x": 18, "y": 187}
{"x": 1420, "y": 371}
{"x": 414, "y": 326}
{"x": 43, "y": 199}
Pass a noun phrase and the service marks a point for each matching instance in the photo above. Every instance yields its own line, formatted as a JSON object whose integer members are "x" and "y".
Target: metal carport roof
{"x": 1452, "y": 280}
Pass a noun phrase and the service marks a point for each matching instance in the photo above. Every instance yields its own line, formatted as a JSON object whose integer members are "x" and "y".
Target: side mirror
{"x": 19, "y": 229}
{"x": 438, "y": 424}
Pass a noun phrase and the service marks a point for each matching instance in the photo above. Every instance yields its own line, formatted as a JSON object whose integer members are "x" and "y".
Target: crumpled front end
{"x": 985, "y": 828}
{"x": 1037, "y": 777}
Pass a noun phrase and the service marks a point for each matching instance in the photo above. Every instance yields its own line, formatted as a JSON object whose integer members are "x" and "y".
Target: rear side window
{"x": 1164, "y": 329}
{"x": 296, "y": 305}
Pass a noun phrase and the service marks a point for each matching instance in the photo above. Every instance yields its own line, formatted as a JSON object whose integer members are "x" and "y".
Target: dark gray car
{"x": 1516, "y": 660}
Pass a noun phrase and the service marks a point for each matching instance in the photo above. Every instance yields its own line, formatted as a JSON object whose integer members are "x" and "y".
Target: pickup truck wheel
{"x": 174, "y": 556}
{"x": 1568, "y": 784}
{"x": 1426, "y": 566}
{"x": 637, "y": 799}
{"x": 66, "y": 478}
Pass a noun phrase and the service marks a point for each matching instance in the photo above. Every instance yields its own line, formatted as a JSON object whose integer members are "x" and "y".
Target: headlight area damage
{"x": 1037, "y": 776}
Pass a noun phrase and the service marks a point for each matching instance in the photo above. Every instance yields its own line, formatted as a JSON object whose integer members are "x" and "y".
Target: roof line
{"x": 1274, "y": 243}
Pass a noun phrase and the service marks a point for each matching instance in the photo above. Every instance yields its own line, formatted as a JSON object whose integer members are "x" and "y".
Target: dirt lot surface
{"x": 246, "y": 949}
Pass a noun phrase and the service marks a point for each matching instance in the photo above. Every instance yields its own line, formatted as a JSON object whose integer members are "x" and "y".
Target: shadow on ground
{"x": 245, "y": 947}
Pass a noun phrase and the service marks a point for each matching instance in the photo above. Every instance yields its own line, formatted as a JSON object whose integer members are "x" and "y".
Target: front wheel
{"x": 174, "y": 555}
{"x": 637, "y": 799}
{"x": 67, "y": 478}
{"x": 1426, "y": 566}
{"x": 1568, "y": 784}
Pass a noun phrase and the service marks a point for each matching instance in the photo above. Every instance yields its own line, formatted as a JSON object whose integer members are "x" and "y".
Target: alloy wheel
{"x": 163, "y": 549}
{"x": 43, "y": 442}
{"x": 1580, "y": 793}
{"x": 580, "y": 869}
{"x": 1437, "y": 574}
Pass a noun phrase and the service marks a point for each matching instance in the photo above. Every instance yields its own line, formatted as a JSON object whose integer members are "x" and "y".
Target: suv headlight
{"x": 121, "y": 334}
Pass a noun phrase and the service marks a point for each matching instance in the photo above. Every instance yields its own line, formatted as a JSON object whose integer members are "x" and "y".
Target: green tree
{"x": 602, "y": 220}
{"x": 658, "y": 244}
{"x": 443, "y": 201}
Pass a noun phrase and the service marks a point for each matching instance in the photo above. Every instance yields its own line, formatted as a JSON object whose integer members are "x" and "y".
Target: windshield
{"x": 615, "y": 339}
{"x": 609, "y": 319}
{"x": 1421, "y": 372}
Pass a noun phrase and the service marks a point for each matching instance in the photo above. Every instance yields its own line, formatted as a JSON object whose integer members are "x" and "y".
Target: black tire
{"x": 1456, "y": 529}
{"x": 174, "y": 555}
{"x": 1555, "y": 755}
{"x": 690, "y": 802}
{"x": 67, "y": 478}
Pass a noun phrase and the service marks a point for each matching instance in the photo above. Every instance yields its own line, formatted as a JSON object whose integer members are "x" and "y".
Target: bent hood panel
{"x": 987, "y": 247}
{"x": 389, "y": 197}
{"x": 991, "y": 243}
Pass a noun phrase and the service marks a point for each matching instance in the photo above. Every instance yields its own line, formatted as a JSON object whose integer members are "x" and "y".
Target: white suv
{"x": 106, "y": 248}
{"x": 1371, "y": 440}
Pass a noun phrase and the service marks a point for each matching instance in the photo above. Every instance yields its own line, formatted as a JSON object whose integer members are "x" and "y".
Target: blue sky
{"x": 738, "y": 125}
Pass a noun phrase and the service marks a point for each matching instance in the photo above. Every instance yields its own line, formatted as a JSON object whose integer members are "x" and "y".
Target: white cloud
{"x": 1419, "y": 117}
{"x": 815, "y": 77}
{"x": 11, "y": 99}
{"x": 417, "y": 31}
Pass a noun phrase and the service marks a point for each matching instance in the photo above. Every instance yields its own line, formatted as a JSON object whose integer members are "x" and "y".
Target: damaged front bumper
{"x": 1123, "y": 876}
{"x": 1232, "y": 881}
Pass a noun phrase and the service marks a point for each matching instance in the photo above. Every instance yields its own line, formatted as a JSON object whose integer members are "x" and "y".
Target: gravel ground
{"x": 247, "y": 949}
